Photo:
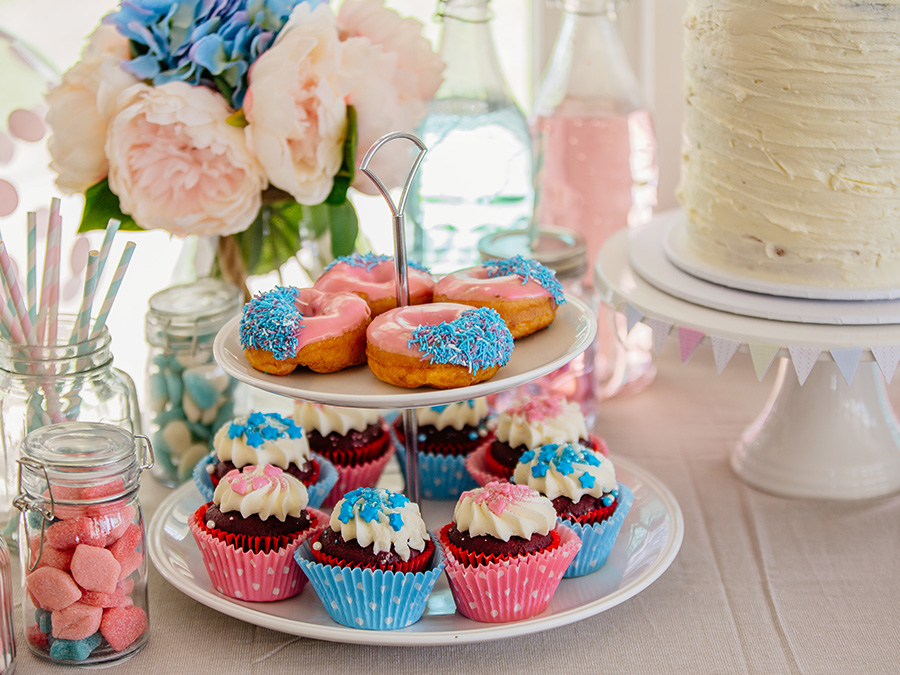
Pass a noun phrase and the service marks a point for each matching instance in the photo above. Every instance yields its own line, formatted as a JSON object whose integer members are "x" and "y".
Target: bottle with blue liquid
{"x": 476, "y": 177}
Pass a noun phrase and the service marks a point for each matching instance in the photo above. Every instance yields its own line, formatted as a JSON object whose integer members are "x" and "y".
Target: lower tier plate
{"x": 647, "y": 545}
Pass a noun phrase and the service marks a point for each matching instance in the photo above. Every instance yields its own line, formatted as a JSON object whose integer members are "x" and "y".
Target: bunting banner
{"x": 887, "y": 359}
{"x": 661, "y": 330}
{"x": 762, "y": 355}
{"x": 688, "y": 339}
{"x": 804, "y": 358}
{"x": 847, "y": 360}
{"x": 723, "y": 349}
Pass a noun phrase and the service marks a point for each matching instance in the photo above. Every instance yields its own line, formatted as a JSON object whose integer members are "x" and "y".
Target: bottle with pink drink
{"x": 596, "y": 164}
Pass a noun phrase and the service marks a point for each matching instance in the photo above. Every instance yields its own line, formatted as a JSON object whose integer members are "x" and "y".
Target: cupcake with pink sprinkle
{"x": 526, "y": 425}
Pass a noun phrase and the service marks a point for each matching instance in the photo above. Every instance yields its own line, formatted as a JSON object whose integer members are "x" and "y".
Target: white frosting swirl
{"x": 539, "y": 421}
{"x": 504, "y": 510}
{"x": 262, "y": 438}
{"x": 457, "y": 415}
{"x": 382, "y": 518}
{"x": 327, "y": 419}
{"x": 568, "y": 470}
{"x": 264, "y": 490}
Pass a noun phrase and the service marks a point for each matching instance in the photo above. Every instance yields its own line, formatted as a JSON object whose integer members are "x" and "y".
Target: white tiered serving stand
{"x": 648, "y": 543}
{"x": 824, "y": 439}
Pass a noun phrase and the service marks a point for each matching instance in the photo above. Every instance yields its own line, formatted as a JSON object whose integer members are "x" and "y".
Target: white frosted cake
{"x": 791, "y": 168}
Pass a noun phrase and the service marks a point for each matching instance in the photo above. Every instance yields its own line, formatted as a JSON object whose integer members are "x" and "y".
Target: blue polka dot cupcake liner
{"x": 328, "y": 476}
{"x": 442, "y": 477}
{"x": 597, "y": 539}
{"x": 370, "y": 599}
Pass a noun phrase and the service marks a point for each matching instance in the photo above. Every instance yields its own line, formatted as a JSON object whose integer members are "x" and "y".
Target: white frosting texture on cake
{"x": 327, "y": 419}
{"x": 386, "y": 520}
{"x": 791, "y": 164}
{"x": 456, "y": 415}
{"x": 262, "y": 438}
{"x": 541, "y": 420}
{"x": 504, "y": 510}
{"x": 265, "y": 491}
{"x": 569, "y": 470}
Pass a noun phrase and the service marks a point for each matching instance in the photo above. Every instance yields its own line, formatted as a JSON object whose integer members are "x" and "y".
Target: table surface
{"x": 761, "y": 585}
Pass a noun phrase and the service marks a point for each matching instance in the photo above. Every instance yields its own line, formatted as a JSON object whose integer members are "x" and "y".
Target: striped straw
{"x": 83, "y": 321}
{"x": 31, "y": 276}
{"x": 14, "y": 291}
{"x": 11, "y": 328}
{"x": 111, "y": 228}
{"x": 113, "y": 289}
{"x": 47, "y": 317}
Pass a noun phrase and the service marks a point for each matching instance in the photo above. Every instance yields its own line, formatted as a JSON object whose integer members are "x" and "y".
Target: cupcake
{"x": 527, "y": 425}
{"x": 265, "y": 438}
{"x": 447, "y": 434}
{"x": 248, "y": 533}
{"x": 506, "y": 552}
{"x": 582, "y": 487}
{"x": 355, "y": 440}
{"x": 376, "y": 564}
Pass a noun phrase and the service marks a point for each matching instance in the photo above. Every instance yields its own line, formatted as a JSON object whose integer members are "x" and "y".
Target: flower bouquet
{"x": 244, "y": 119}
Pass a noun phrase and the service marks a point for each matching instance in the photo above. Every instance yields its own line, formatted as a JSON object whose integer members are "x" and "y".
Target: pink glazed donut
{"x": 441, "y": 345}
{"x": 288, "y": 327}
{"x": 371, "y": 277}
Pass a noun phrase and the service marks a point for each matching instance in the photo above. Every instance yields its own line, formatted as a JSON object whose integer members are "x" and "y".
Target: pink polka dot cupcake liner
{"x": 361, "y": 475}
{"x": 511, "y": 590}
{"x": 597, "y": 539}
{"x": 372, "y": 599}
{"x": 254, "y": 577}
{"x": 317, "y": 492}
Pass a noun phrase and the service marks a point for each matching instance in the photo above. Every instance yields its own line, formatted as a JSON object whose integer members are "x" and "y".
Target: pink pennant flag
{"x": 661, "y": 330}
{"x": 723, "y": 350}
{"x": 847, "y": 360}
{"x": 762, "y": 356}
{"x": 804, "y": 358}
{"x": 887, "y": 359}
{"x": 688, "y": 339}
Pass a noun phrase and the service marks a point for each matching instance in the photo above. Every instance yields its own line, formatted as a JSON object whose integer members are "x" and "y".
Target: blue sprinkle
{"x": 396, "y": 521}
{"x": 529, "y": 270}
{"x": 527, "y": 456}
{"x": 396, "y": 500}
{"x": 368, "y": 261}
{"x": 235, "y": 431}
{"x": 564, "y": 467}
{"x": 592, "y": 459}
{"x": 293, "y": 431}
{"x": 587, "y": 480}
{"x": 422, "y": 438}
{"x": 269, "y": 433}
{"x": 607, "y": 500}
{"x": 254, "y": 439}
{"x": 478, "y": 339}
{"x": 369, "y": 513}
{"x": 440, "y": 408}
{"x": 346, "y": 514}
{"x": 271, "y": 322}
{"x": 256, "y": 419}
{"x": 539, "y": 470}
{"x": 473, "y": 435}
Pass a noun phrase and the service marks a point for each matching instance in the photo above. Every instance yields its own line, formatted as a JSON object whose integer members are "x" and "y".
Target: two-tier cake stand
{"x": 647, "y": 545}
{"x": 833, "y": 437}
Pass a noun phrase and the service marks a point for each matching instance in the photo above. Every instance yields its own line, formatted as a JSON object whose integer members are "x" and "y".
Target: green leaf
{"x": 344, "y": 176}
{"x": 344, "y": 229}
{"x": 237, "y": 118}
{"x": 272, "y": 239}
{"x": 101, "y": 204}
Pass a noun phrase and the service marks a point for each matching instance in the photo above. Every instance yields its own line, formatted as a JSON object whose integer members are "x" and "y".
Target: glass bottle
{"x": 58, "y": 383}
{"x": 596, "y": 162}
{"x": 7, "y": 626}
{"x": 476, "y": 177}
{"x": 83, "y": 563}
{"x": 189, "y": 396}
{"x": 564, "y": 251}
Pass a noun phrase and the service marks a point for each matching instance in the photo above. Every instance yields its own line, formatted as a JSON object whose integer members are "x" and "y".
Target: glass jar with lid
{"x": 82, "y": 544}
{"x": 188, "y": 395}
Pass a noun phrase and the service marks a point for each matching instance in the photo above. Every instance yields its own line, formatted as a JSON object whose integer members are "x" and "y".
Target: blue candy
{"x": 75, "y": 650}
{"x": 201, "y": 390}
{"x": 43, "y": 619}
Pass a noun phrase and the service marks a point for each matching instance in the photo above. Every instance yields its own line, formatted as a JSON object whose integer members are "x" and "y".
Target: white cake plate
{"x": 543, "y": 352}
{"x": 646, "y": 546}
{"x": 676, "y": 248}
{"x": 826, "y": 439}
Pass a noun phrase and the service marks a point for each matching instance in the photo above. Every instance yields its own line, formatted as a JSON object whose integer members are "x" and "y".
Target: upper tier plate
{"x": 545, "y": 351}
{"x": 681, "y": 255}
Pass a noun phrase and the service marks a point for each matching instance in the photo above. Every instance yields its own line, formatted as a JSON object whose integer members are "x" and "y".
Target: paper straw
{"x": 112, "y": 227}
{"x": 12, "y": 329}
{"x": 47, "y": 317}
{"x": 14, "y": 291}
{"x": 83, "y": 320}
{"x": 113, "y": 289}
{"x": 31, "y": 276}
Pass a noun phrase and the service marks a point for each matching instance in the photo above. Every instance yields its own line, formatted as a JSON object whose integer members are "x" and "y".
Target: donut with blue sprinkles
{"x": 523, "y": 291}
{"x": 440, "y": 345}
{"x": 287, "y": 327}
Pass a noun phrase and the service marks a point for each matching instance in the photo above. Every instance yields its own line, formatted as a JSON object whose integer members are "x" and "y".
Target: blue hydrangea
{"x": 201, "y": 42}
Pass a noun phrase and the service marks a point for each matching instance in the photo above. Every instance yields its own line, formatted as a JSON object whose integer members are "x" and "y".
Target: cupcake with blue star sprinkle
{"x": 265, "y": 438}
{"x": 582, "y": 486}
{"x": 446, "y": 435}
{"x": 376, "y": 564}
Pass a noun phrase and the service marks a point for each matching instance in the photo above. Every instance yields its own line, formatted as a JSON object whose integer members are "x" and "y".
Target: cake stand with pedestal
{"x": 825, "y": 439}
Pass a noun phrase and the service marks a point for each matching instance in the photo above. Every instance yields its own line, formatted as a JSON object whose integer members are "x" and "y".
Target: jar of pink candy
{"x": 82, "y": 542}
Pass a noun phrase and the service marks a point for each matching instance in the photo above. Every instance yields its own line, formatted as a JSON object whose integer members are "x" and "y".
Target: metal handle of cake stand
{"x": 401, "y": 281}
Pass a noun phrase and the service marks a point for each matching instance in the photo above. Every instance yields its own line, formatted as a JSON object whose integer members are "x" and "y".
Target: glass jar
{"x": 596, "y": 164}
{"x": 476, "y": 177}
{"x": 565, "y": 252}
{"x": 188, "y": 395}
{"x": 7, "y": 625}
{"x": 82, "y": 544}
{"x": 58, "y": 383}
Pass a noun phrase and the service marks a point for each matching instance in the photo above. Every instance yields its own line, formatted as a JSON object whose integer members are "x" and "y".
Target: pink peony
{"x": 295, "y": 106}
{"x": 81, "y": 106}
{"x": 177, "y": 165}
{"x": 394, "y": 72}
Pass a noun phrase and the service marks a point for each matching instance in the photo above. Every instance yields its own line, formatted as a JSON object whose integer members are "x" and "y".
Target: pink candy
{"x": 121, "y": 626}
{"x": 52, "y": 588}
{"x": 76, "y": 622}
{"x": 67, "y": 534}
{"x": 50, "y": 557}
{"x": 95, "y": 569}
{"x": 127, "y": 543}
